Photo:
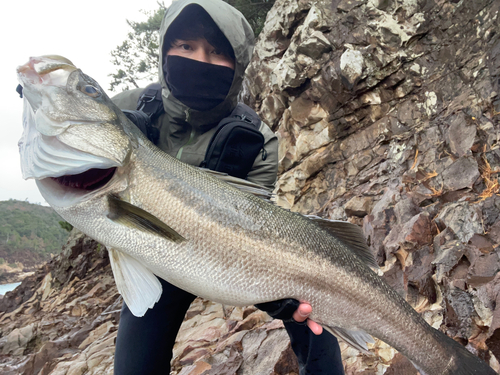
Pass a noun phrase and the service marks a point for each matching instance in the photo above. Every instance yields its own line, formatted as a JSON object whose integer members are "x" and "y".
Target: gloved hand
{"x": 282, "y": 309}
{"x": 291, "y": 310}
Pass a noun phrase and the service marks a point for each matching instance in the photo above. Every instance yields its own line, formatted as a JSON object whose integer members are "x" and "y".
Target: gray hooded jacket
{"x": 185, "y": 133}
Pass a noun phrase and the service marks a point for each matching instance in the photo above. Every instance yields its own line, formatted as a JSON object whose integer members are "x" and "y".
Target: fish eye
{"x": 90, "y": 91}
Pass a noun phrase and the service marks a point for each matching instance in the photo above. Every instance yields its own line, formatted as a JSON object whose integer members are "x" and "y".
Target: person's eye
{"x": 185, "y": 47}
{"x": 217, "y": 52}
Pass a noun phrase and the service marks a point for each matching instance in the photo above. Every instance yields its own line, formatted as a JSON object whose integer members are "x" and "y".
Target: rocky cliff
{"x": 388, "y": 116}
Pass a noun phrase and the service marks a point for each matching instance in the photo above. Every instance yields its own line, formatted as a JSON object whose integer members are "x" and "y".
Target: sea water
{"x": 4, "y": 288}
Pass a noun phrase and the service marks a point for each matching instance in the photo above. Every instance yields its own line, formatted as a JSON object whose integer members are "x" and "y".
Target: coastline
{"x": 14, "y": 277}
{"x": 6, "y": 288}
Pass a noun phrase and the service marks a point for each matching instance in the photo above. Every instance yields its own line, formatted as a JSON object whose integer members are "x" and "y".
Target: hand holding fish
{"x": 303, "y": 313}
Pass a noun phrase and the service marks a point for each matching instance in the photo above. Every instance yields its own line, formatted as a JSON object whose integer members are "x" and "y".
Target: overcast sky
{"x": 85, "y": 32}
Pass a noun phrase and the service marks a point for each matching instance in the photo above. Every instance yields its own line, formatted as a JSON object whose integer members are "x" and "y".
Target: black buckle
{"x": 144, "y": 100}
{"x": 145, "y": 96}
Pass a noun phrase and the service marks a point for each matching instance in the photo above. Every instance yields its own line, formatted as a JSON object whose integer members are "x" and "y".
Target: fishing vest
{"x": 233, "y": 147}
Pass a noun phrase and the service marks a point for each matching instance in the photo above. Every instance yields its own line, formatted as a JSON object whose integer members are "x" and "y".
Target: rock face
{"x": 15, "y": 277}
{"x": 63, "y": 318}
{"x": 388, "y": 116}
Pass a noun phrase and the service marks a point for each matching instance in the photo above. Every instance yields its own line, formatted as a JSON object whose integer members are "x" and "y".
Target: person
{"x": 205, "y": 47}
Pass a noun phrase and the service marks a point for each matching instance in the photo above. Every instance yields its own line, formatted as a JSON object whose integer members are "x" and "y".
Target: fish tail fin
{"x": 460, "y": 360}
{"x": 463, "y": 362}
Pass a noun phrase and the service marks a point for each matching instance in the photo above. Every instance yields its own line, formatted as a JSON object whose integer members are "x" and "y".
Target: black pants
{"x": 144, "y": 345}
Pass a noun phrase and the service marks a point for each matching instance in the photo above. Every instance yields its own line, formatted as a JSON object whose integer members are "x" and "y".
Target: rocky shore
{"x": 388, "y": 114}
{"x": 14, "y": 277}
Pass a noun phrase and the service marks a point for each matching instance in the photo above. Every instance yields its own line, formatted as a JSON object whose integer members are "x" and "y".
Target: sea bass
{"x": 159, "y": 216}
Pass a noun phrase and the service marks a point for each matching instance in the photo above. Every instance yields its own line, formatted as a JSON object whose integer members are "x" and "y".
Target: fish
{"x": 214, "y": 236}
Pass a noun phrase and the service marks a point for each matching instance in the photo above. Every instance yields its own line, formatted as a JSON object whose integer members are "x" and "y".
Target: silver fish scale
{"x": 267, "y": 242}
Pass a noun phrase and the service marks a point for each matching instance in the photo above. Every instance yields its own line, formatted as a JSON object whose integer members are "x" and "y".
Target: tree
{"x": 255, "y": 11}
{"x": 66, "y": 226}
{"x": 29, "y": 227}
{"x": 137, "y": 57}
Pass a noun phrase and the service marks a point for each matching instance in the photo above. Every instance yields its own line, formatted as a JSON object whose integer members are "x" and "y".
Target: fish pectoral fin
{"x": 351, "y": 235}
{"x": 357, "y": 339}
{"x": 134, "y": 217}
{"x": 241, "y": 184}
{"x": 139, "y": 287}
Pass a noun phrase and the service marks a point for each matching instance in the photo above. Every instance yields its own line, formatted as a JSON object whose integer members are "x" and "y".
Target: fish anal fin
{"x": 357, "y": 339}
{"x": 351, "y": 235}
{"x": 139, "y": 287}
{"x": 127, "y": 214}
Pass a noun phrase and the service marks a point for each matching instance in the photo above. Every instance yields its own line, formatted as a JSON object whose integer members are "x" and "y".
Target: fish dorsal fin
{"x": 134, "y": 217}
{"x": 357, "y": 339}
{"x": 351, "y": 235}
{"x": 139, "y": 287}
{"x": 241, "y": 184}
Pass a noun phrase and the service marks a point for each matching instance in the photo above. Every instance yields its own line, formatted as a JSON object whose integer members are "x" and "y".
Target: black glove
{"x": 282, "y": 309}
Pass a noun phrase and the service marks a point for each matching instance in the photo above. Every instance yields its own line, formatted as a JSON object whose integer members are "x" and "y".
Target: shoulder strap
{"x": 247, "y": 114}
{"x": 150, "y": 101}
{"x": 151, "y": 104}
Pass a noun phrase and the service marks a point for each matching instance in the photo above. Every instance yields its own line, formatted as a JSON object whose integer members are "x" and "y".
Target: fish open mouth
{"x": 89, "y": 180}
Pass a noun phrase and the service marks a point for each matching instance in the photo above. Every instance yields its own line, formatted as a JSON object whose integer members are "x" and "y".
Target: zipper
{"x": 191, "y": 137}
{"x": 187, "y": 112}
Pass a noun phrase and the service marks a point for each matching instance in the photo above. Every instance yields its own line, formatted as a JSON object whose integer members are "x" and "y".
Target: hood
{"x": 239, "y": 34}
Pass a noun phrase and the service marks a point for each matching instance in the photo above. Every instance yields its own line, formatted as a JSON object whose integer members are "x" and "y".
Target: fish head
{"x": 74, "y": 139}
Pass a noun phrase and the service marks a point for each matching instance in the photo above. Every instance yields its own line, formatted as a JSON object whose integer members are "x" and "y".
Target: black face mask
{"x": 200, "y": 86}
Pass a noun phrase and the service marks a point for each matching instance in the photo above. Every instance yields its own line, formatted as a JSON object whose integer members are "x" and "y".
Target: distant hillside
{"x": 29, "y": 232}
